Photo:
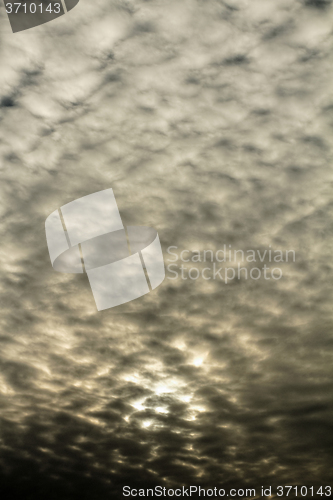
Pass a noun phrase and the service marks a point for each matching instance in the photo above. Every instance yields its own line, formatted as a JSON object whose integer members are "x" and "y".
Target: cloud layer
{"x": 212, "y": 122}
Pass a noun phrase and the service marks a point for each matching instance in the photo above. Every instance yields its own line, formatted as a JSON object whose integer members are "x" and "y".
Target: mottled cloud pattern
{"x": 212, "y": 122}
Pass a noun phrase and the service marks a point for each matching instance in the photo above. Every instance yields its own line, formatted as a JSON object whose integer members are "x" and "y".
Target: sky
{"x": 212, "y": 123}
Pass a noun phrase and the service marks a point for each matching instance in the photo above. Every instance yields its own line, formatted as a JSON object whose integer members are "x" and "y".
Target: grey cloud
{"x": 211, "y": 121}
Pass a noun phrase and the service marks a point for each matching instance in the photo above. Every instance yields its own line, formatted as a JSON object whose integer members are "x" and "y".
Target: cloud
{"x": 211, "y": 121}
